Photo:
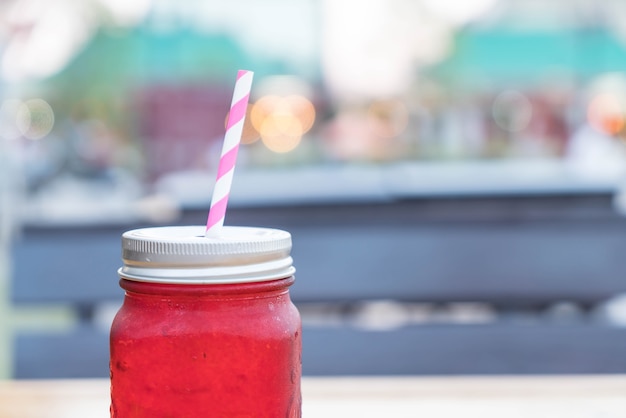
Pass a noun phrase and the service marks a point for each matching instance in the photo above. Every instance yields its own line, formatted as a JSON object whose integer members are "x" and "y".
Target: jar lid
{"x": 182, "y": 254}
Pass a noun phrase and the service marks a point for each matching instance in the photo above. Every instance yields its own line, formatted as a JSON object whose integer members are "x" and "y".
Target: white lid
{"x": 182, "y": 254}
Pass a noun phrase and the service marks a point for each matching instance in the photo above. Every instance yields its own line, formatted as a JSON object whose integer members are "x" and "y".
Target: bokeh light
{"x": 282, "y": 121}
{"x": 40, "y": 119}
{"x": 303, "y": 110}
{"x": 249, "y": 134}
{"x": 606, "y": 113}
{"x": 281, "y": 134}
{"x": 50, "y": 34}
{"x": 512, "y": 111}
{"x": 392, "y": 117}
{"x": 262, "y": 109}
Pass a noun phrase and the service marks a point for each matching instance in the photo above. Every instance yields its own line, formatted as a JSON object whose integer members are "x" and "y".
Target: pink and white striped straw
{"x": 232, "y": 138}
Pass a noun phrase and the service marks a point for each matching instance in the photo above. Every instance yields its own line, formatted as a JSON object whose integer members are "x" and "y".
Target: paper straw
{"x": 232, "y": 138}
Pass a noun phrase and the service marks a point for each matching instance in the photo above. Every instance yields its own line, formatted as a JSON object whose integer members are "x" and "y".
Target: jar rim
{"x": 182, "y": 254}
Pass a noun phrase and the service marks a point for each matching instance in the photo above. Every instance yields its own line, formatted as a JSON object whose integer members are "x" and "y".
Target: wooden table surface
{"x": 398, "y": 397}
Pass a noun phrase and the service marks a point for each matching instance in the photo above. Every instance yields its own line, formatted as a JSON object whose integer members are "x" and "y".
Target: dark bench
{"x": 519, "y": 256}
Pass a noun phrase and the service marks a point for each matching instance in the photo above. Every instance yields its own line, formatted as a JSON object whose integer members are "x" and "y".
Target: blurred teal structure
{"x": 501, "y": 57}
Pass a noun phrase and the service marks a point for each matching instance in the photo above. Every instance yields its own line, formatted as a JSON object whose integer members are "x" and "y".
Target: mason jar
{"x": 207, "y": 327}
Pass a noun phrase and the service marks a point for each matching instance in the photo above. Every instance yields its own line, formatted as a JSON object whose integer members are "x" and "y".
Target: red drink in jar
{"x": 207, "y": 328}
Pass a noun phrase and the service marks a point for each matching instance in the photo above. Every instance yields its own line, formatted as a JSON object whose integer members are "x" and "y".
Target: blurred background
{"x": 452, "y": 172}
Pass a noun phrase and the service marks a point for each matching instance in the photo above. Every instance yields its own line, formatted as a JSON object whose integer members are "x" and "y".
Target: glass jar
{"x": 207, "y": 327}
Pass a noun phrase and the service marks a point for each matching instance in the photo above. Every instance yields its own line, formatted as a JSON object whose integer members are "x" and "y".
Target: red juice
{"x": 205, "y": 349}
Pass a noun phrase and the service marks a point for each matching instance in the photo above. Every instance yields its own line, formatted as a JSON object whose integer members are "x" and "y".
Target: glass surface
{"x": 206, "y": 351}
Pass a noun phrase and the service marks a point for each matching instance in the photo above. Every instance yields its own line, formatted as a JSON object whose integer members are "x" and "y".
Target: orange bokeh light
{"x": 303, "y": 109}
{"x": 282, "y": 121}
{"x": 606, "y": 113}
{"x": 281, "y": 133}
